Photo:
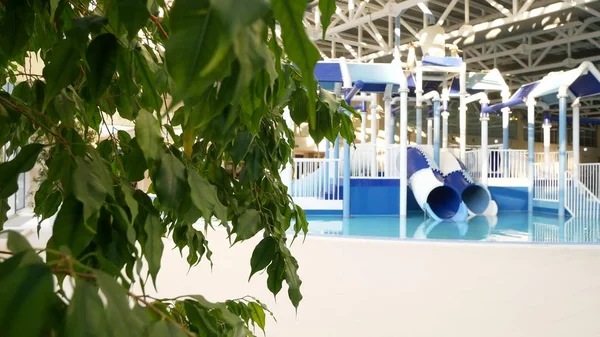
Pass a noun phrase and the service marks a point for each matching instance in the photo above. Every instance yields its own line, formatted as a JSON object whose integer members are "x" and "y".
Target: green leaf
{"x": 327, "y": 9}
{"x": 101, "y": 57}
{"x": 247, "y": 225}
{"x": 297, "y": 45}
{"x": 65, "y": 107}
{"x": 197, "y": 47}
{"x": 153, "y": 248}
{"x": 17, "y": 243}
{"x": 133, "y": 14}
{"x": 165, "y": 329}
{"x": 16, "y": 26}
{"x": 4, "y": 208}
{"x": 86, "y": 315}
{"x": 205, "y": 198}
{"x": 276, "y": 275}
{"x": 147, "y": 79}
{"x": 50, "y": 205}
{"x": 69, "y": 228}
{"x": 25, "y": 298}
{"x": 170, "y": 182}
{"x": 257, "y": 314}
{"x": 63, "y": 68}
{"x": 134, "y": 162}
{"x": 291, "y": 277}
{"x": 122, "y": 321}
{"x": 91, "y": 184}
{"x": 241, "y": 145}
{"x": 262, "y": 255}
{"x": 299, "y": 106}
{"x": 148, "y": 135}
{"x": 23, "y": 162}
{"x": 53, "y": 6}
{"x": 238, "y": 14}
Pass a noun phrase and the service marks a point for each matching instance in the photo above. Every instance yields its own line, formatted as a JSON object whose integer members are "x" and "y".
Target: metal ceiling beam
{"x": 390, "y": 9}
{"x": 534, "y": 13}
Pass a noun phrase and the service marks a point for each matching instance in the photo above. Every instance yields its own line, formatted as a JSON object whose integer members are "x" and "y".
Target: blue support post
{"x": 436, "y": 132}
{"x": 346, "y": 181}
{"x": 531, "y": 151}
{"x": 562, "y": 149}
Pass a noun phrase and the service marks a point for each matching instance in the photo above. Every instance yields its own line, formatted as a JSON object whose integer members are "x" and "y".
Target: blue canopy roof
{"x": 375, "y": 76}
{"x": 518, "y": 98}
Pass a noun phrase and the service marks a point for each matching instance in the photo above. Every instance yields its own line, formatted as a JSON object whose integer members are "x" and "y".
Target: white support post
{"x": 463, "y": 108}
{"x": 374, "y": 134}
{"x": 429, "y": 130}
{"x": 484, "y": 118}
{"x": 562, "y": 148}
{"x": 531, "y": 151}
{"x": 445, "y": 115}
{"x": 546, "y": 129}
{"x": 505, "y": 121}
{"x": 576, "y": 135}
{"x": 363, "y": 125}
{"x": 419, "y": 104}
{"x": 403, "y": 150}
{"x": 389, "y": 127}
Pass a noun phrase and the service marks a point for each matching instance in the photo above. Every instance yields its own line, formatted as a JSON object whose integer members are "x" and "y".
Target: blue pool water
{"x": 506, "y": 227}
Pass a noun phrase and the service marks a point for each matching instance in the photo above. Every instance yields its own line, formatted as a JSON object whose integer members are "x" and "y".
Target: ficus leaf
{"x": 148, "y": 135}
{"x": 153, "y": 248}
{"x": 247, "y": 225}
{"x": 257, "y": 314}
{"x": 17, "y": 243}
{"x": 197, "y": 47}
{"x": 327, "y": 9}
{"x": 26, "y": 294}
{"x": 69, "y": 229}
{"x": 298, "y": 47}
{"x": 121, "y": 320}
{"x": 86, "y": 315}
{"x": 133, "y": 14}
{"x": 170, "y": 181}
{"x": 23, "y": 162}
{"x": 101, "y": 57}
{"x": 63, "y": 68}
{"x": 262, "y": 255}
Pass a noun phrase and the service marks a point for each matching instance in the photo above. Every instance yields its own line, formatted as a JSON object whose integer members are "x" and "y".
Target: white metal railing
{"x": 508, "y": 164}
{"x": 553, "y": 159}
{"x": 545, "y": 186}
{"x": 317, "y": 178}
{"x": 473, "y": 163}
{"x": 589, "y": 175}
{"x": 579, "y": 200}
{"x": 545, "y": 232}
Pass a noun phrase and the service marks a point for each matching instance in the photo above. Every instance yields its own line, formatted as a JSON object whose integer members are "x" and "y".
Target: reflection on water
{"x": 506, "y": 227}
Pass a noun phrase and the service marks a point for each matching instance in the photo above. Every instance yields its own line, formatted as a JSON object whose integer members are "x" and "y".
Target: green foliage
{"x": 214, "y": 68}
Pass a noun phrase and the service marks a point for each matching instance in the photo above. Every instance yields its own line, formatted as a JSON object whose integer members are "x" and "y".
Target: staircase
{"x": 579, "y": 200}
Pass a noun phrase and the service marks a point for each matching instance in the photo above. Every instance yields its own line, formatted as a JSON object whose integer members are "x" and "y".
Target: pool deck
{"x": 391, "y": 288}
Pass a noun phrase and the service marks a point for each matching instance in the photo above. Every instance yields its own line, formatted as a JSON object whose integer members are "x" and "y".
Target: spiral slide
{"x": 439, "y": 200}
{"x": 476, "y": 197}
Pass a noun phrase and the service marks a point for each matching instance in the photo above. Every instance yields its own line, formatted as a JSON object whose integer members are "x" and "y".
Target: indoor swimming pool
{"x": 506, "y": 227}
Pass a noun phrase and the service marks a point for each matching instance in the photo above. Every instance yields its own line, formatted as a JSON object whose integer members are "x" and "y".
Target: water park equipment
{"x": 557, "y": 87}
{"x": 439, "y": 200}
{"x": 476, "y": 197}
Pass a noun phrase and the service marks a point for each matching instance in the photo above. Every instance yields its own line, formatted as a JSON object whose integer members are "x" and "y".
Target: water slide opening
{"x": 476, "y": 198}
{"x": 444, "y": 201}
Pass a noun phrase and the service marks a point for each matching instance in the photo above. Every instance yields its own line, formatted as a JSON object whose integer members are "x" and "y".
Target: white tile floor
{"x": 355, "y": 287}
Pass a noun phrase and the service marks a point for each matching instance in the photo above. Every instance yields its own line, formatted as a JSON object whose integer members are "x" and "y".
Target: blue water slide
{"x": 439, "y": 200}
{"x": 476, "y": 197}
